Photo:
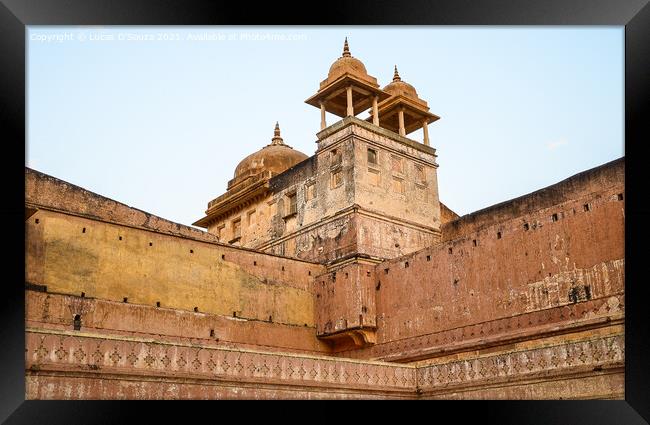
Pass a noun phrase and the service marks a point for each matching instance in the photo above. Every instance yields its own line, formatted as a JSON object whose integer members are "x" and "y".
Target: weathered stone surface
{"x": 577, "y": 258}
{"x": 521, "y": 300}
{"x": 67, "y": 365}
{"x": 582, "y": 185}
{"x": 551, "y": 326}
{"x": 43, "y": 191}
{"x": 74, "y": 255}
{"x": 366, "y": 191}
{"x": 103, "y": 317}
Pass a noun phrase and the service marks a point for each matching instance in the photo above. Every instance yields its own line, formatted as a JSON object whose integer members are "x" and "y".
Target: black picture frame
{"x": 15, "y": 15}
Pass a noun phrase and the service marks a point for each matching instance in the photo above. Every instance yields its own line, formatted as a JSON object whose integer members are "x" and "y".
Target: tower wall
{"x": 559, "y": 267}
{"x": 375, "y": 195}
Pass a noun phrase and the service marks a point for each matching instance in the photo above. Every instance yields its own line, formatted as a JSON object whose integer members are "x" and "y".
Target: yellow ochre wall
{"x": 178, "y": 272}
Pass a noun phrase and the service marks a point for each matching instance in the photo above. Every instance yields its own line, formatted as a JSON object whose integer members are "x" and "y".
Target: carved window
{"x": 251, "y": 217}
{"x": 310, "y": 191}
{"x": 398, "y": 185}
{"x": 397, "y": 165}
{"x": 335, "y": 157}
{"x": 236, "y": 229}
{"x": 292, "y": 204}
{"x": 336, "y": 179}
{"x": 372, "y": 157}
{"x": 221, "y": 231}
{"x": 420, "y": 175}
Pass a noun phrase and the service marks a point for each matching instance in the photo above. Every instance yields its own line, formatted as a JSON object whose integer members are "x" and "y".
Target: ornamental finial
{"x": 277, "y": 140}
{"x": 396, "y": 75}
{"x": 346, "y": 49}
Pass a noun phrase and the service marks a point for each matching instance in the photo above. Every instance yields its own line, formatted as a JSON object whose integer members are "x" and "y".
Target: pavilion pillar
{"x": 323, "y": 123}
{"x": 350, "y": 105}
{"x": 375, "y": 110}
{"x": 400, "y": 115}
{"x": 425, "y": 130}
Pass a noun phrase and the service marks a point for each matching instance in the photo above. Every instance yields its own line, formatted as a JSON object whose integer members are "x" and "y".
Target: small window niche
{"x": 77, "y": 322}
{"x": 252, "y": 216}
{"x": 398, "y": 185}
{"x": 420, "y": 176}
{"x": 335, "y": 158}
{"x": 397, "y": 165}
{"x": 236, "y": 230}
{"x": 372, "y": 157}
{"x": 336, "y": 179}
{"x": 292, "y": 205}
{"x": 310, "y": 191}
{"x": 221, "y": 231}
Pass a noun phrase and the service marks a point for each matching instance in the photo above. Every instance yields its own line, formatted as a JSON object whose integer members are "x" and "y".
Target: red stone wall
{"x": 345, "y": 299}
{"x": 501, "y": 278}
{"x": 42, "y": 190}
{"x": 582, "y": 185}
{"x": 103, "y": 317}
{"x": 457, "y": 284}
{"x": 522, "y": 300}
{"x": 447, "y": 215}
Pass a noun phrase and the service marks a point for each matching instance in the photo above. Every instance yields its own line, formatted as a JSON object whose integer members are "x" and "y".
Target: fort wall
{"x": 467, "y": 323}
{"x": 581, "y": 185}
{"x": 81, "y": 365}
{"x": 175, "y": 267}
{"x": 465, "y": 293}
{"x": 56, "y": 312}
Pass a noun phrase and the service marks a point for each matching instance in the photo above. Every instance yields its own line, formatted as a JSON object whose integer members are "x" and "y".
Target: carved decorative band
{"x": 518, "y": 365}
{"x": 65, "y": 353}
{"x": 83, "y": 353}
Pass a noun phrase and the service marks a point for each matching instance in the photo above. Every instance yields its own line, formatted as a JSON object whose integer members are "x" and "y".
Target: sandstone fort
{"x": 336, "y": 275}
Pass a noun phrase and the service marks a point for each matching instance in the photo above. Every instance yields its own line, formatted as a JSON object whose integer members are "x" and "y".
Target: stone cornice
{"x": 348, "y": 121}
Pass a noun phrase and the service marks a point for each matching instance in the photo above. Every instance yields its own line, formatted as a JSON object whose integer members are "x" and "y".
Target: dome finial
{"x": 277, "y": 140}
{"x": 346, "y": 49}
{"x": 396, "y": 75}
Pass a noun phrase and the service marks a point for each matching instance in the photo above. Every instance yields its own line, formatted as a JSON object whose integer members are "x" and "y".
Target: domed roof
{"x": 276, "y": 157}
{"x": 397, "y": 86}
{"x": 347, "y": 64}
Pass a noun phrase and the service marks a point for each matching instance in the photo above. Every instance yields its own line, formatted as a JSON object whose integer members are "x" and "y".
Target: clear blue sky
{"x": 161, "y": 124}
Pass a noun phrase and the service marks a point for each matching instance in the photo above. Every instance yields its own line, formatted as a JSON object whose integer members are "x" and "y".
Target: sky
{"x": 159, "y": 117}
